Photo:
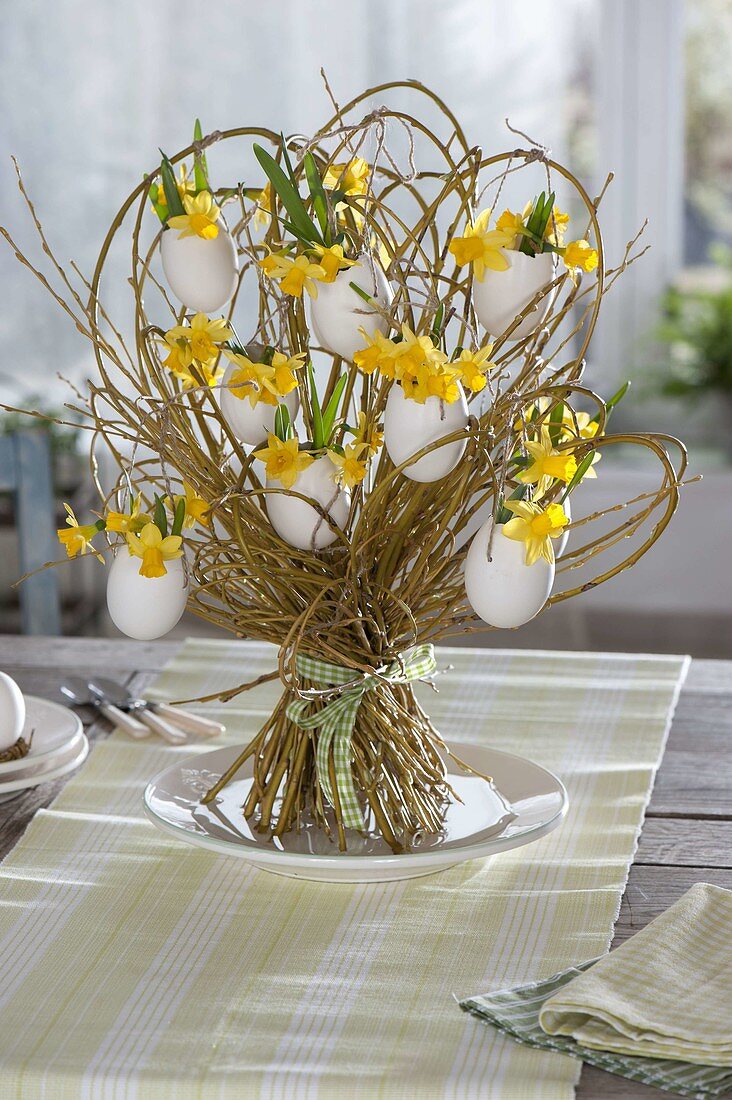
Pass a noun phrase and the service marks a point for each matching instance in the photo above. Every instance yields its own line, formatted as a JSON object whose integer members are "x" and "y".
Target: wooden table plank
{"x": 687, "y": 837}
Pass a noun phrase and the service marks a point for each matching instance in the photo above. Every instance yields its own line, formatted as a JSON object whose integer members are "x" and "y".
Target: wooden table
{"x": 687, "y": 836}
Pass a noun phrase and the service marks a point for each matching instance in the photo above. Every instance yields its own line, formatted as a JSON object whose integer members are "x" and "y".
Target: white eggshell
{"x": 144, "y": 607}
{"x": 502, "y": 295}
{"x": 560, "y": 544}
{"x": 504, "y": 591}
{"x": 338, "y": 312}
{"x": 409, "y": 426}
{"x": 202, "y": 274}
{"x": 251, "y": 425}
{"x": 12, "y": 711}
{"x": 295, "y": 521}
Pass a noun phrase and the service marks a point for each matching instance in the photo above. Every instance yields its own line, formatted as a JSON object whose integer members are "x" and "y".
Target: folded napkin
{"x": 665, "y": 993}
{"x": 674, "y": 990}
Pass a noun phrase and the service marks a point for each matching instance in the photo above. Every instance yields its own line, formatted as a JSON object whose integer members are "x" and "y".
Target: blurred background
{"x": 642, "y": 88}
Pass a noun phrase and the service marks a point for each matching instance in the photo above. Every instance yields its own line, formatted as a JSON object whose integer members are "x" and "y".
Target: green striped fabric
{"x": 516, "y": 1012}
{"x": 133, "y": 967}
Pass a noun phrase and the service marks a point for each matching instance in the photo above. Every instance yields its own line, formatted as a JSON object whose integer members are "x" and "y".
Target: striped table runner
{"x": 132, "y": 966}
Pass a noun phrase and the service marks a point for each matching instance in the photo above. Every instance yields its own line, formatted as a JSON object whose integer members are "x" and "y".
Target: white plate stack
{"x": 58, "y": 746}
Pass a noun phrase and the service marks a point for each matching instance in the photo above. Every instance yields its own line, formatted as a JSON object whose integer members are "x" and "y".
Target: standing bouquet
{"x": 384, "y": 458}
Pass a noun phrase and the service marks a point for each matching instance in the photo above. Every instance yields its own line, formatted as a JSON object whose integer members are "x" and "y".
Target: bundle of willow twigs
{"x": 393, "y": 577}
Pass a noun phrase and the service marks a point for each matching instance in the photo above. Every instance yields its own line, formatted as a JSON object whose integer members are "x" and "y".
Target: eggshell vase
{"x": 202, "y": 274}
{"x": 409, "y": 427}
{"x": 502, "y": 295}
{"x": 12, "y": 711}
{"x": 338, "y": 312}
{"x": 144, "y": 607}
{"x": 252, "y": 425}
{"x": 296, "y": 521}
{"x": 504, "y": 591}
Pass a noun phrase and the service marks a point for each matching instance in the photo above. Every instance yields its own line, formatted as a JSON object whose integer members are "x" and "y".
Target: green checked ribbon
{"x": 337, "y": 718}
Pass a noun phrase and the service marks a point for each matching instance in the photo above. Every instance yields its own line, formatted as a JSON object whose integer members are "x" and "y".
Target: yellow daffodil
{"x": 203, "y": 336}
{"x": 180, "y": 355}
{"x": 580, "y": 254}
{"x": 372, "y": 438}
{"x": 200, "y": 218}
{"x": 578, "y": 425}
{"x": 209, "y": 375}
{"x": 184, "y": 185}
{"x": 122, "y": 523}
{"x": 512, "y": 224}
{"x": 536, "y": 527}
{"x": 263, "y": 212}
{"x": 283, "y": 461}
{"x": 197, "y": 509}
{"x": 265, "y": 382}
{"x": 350, "y": 468}
{"x": 296, "y": 275}
{"x": 432, "y": 381}
{"x": 379, "y": 354}
{"x": 332, "y": 260}
{"x": 154, "y": 549}
{"x": 414, "y": 352}
{"x": 548, "y": 464}
{"x": 480, "y": 246}
{"x": 76, "y": 538}
{"x": 270, "y": 263}
{"x": 556, "y": 227}
{"x": 473, "y": 367}
{"x": 351, "y": 178}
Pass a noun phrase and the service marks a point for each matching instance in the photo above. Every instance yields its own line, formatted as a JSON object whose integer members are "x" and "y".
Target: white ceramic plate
{"x": 524, "y": 803}
{"x": 54, "y": 728}
{"x": 75, "y": 755}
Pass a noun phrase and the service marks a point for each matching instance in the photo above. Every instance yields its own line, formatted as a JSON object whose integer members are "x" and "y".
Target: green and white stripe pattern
{"x": 337, "y": 718}
{"x": 134, "y": 967}
{"x": 515, "y": 1012}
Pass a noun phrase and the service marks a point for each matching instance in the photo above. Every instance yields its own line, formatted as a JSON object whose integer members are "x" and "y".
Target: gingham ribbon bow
{"x": 337, "y": 718}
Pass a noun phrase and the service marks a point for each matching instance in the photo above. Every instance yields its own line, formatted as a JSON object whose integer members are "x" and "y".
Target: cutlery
{"x": 138, "y": 708}
{"x": 184, "y": 719}
{"x": 76, "y": 691}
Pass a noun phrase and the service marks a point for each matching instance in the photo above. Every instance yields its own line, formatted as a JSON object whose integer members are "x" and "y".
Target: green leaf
{"x": 436, "y": 333}
{"x": 616, "y": 398}
{"x": 161, "y": 211}
{"x": 556, "y": 417}
{"x": 504, "y": 514}
{"x": 282, "y": 423}
{"x": 179, "y": 516}
{"x": 287, "y": 161}
{"x": 317, "y": 194}
{"x": 159, "y": 518}
{"x": 331, "y": 409}
{"x": 578, "y": 475}
{"x": 173, "y": 199}
{"x": 317, "y": 414}
{"x": 200, "y": 168}
{"x": 361, "y": 293}
{"x": 289, "y": 196}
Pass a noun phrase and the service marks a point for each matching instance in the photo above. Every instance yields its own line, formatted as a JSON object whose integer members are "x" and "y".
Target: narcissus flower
{"x": 580, "y": 254}
{"x": 473, "y": 367}
{"x": 379, "y": 354}
{"x": 197, "y": 509}
{"x": 536, "y": 527}
{"x": 203, "y": 336}
{"x": 556, "y": 227}
{"x": 154, "y": 549}
{"x": 332, "y": 260}
{"x": 548, "y": 465}
{"x": 371, "y": 437}
{"x": 122, "y": 522}
{"x": 265, "y": 382}
{"x": 351, "y": 178}
{"x": 184, "y": 185}
{"x": 200, "y": 218}
{"x": 513, "y": 224}
{"x": 480, "y": 246}
{"x": 296, "y": 275}
{"x": 578, "y": 425}
{"x": 432, "y": 381}
{"x": 350, "y": 467}
{"x": 283, "y": 461}
{"x": 76, "y": 538}
{"x": 263, "y": 212}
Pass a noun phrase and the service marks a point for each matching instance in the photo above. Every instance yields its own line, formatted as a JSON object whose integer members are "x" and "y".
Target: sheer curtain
{"x": 90, "y": 91}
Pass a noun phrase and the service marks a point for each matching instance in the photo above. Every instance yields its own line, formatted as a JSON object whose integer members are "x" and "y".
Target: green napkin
{"x": 665, "y": 993}
{"x": 680, "y": 976}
